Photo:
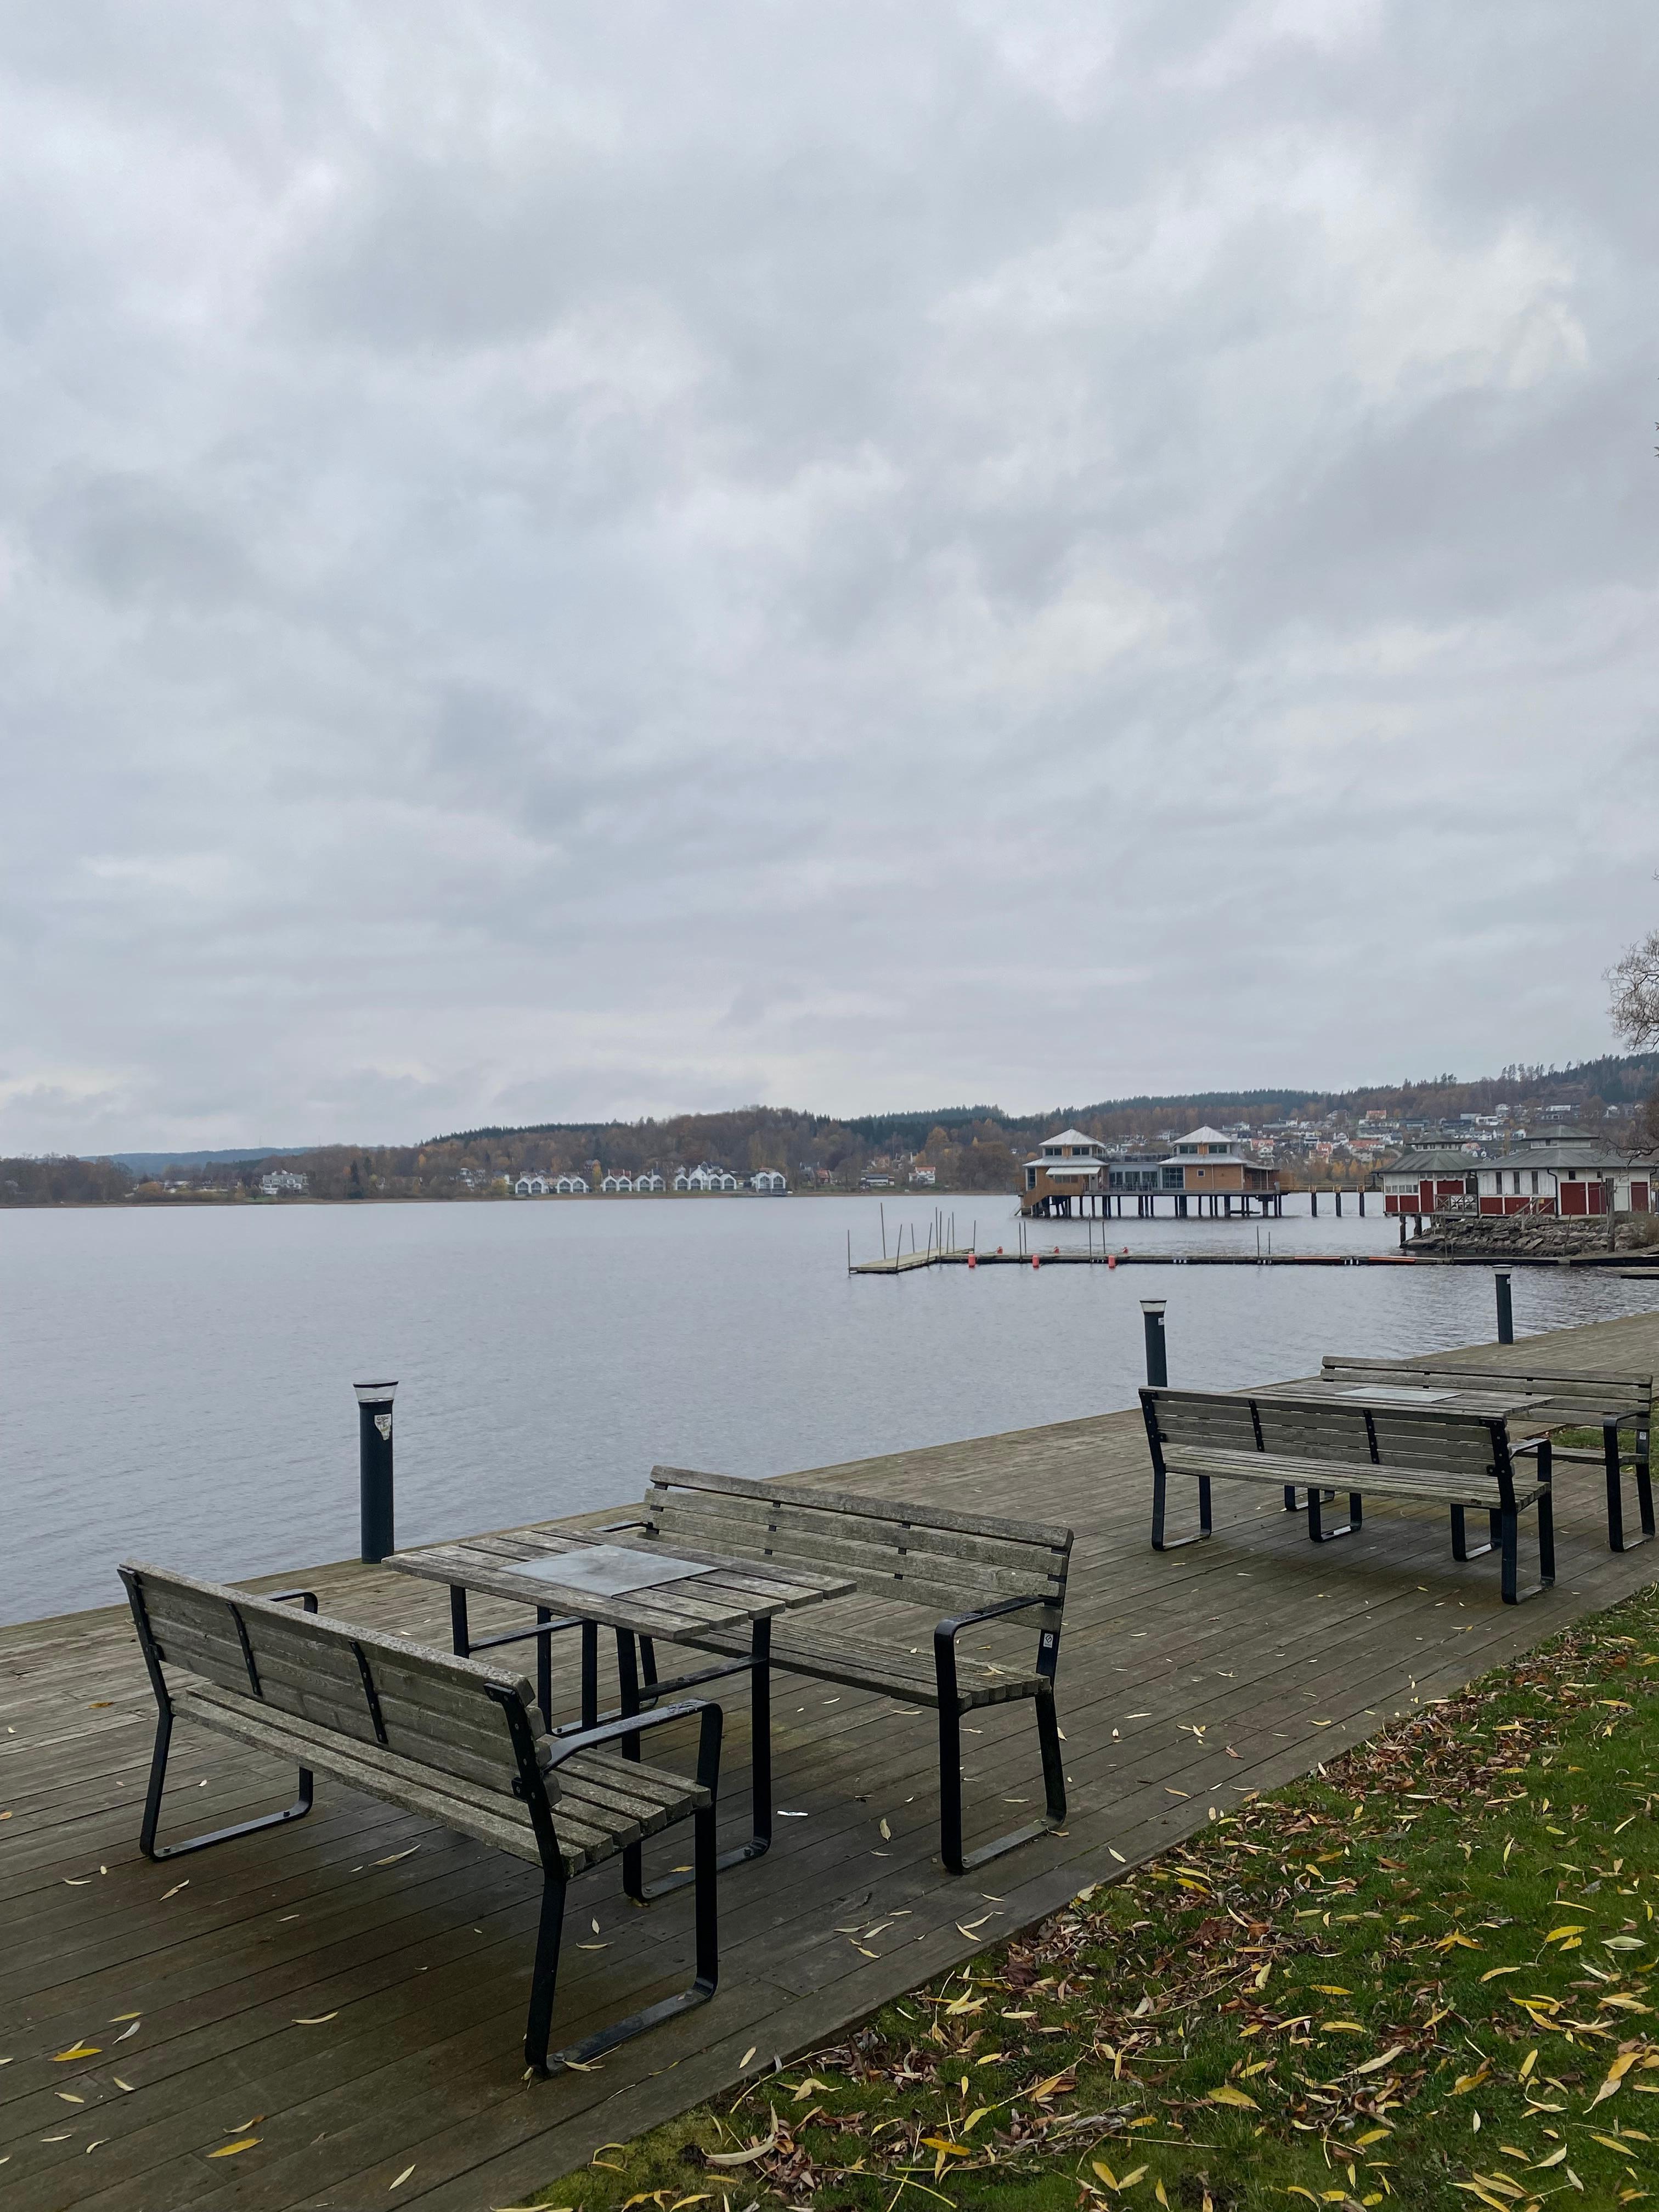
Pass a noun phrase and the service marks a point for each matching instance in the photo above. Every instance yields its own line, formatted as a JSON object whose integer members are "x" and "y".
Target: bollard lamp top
{"x": 1154, "y": 1305}
{"x": 374, "y": 1394}
{"x": 1502, "y": 1271}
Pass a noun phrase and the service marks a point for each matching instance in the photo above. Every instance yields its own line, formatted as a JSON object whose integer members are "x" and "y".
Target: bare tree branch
{"x": 1634, "y": 985}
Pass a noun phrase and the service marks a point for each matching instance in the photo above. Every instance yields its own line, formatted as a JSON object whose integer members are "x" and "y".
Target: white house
{"x": 924, "y": 1178}
{"x": 649, "y": 1179}
{"x": 614, "y": 1182}
{"x": 282, "y": 1180}
{"x": 1441, "y": 1181}
{"x": 769, "y": 1179}
{"x": 1566, "y": 1179}
{"x": 570, "y": 1186}
{"x": 705, "y": 1177}
{"x": 531, "y": 1185}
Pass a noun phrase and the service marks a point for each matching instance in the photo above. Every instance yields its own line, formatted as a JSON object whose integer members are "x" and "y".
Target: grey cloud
{"x": 561, "y": 563}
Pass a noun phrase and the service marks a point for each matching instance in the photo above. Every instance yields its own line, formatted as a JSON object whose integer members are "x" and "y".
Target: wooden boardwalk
{"x": 350, "y": 1991}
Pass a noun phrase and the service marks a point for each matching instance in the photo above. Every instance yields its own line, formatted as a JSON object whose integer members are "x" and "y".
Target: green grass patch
{"x": 1423, "y": 1976}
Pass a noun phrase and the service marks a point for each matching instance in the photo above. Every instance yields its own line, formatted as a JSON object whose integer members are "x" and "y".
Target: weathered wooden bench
{"x": 969, "y": 1567}
{"x": 461, "y": 1741}
{"x": 1459, "y": 1460}
{"x": 1607, "y": 1402}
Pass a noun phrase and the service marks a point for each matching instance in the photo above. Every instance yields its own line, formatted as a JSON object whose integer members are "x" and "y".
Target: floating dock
{"x": 1062, "y": 1258}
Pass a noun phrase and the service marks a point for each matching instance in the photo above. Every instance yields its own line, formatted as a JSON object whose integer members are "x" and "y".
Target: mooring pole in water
{"x": 1505, "y": 1310}
{"x": 883, "y": 1230}
{"x": 374, "y": 1468}
{"x": 1157, "y": 1366}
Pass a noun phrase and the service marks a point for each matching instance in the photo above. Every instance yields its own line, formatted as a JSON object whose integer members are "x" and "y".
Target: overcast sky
{"x": 564, "y": 561}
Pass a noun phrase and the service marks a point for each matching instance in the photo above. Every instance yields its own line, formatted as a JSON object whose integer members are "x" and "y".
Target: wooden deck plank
{"x": 1256, "y": 1638}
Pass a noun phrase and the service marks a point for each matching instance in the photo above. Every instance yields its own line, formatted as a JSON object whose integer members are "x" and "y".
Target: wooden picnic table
{"x": 1502, "y": 1400}
{"x": 643, "y": 1590}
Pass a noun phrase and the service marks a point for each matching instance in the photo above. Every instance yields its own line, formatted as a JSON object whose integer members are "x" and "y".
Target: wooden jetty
{"x": 348, "y": 1992}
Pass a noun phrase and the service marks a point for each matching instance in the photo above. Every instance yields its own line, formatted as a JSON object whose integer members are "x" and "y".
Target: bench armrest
{"x": 612, "y": 1528}
{"x": 307, "y": 1598}
{"x": 946, "y": 1635}
{"x": 708, "y": 1744}
{"x": 953, "y": 1626}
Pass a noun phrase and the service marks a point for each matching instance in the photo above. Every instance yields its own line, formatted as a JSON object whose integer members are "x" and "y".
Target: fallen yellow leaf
{"x": 1228, "y": 2095}
{"x": 315, "y": 2019}
{"x": 75, "y": 2050}
{"x": 230, "y": 2149}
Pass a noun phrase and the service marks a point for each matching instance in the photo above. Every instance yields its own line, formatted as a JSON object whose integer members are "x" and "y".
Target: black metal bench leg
{"x": 1459, "y": 1536}
{"x": 158, "y": 1768}
{"x": 1509, "y": 1519}
{"x": 1290, "y": 1498}
{"x": 1160, "y": 1496}
{"x": 1317, "y": 1529}
{"x": 1356, "y": 1509}
{"x": 760, "y": 1710}
{"x": 708, "y": 1938}
{"x": 1617, "y": 1540}
{"x": 949, "y": 1786}
{"x": 545, "y": 1975}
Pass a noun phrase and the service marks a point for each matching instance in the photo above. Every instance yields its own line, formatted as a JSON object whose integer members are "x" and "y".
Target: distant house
{"x": 871, "y": 1180}
{"x": 531, "y": 1185}
{"x": 924, "y": 1178}
{"x": 282, "y": 1183}
{"x": 617, "y": 1182}
{"x": 770, "y": 1181}
{"x": 1566, "y": 1179}
{"x": 649, "y": 1179}
{"x": 570, "y": 1186}
{"x": 1206, "y": 1160}
{"x": 1064, "y": 1166}
{"x": 706, "y": 1177}
{"x": 1432, "y": 1181}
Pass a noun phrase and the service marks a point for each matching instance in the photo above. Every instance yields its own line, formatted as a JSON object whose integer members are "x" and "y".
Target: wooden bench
{"x": 967, "y": 1567}
{"x": 1607, "y": 1402}
{"x": 1459, "y": 1460}
{"x": 461, "y": 1741}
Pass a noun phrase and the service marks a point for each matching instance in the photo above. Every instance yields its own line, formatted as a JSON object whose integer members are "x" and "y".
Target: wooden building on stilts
{"x": 1203, "y": 1174}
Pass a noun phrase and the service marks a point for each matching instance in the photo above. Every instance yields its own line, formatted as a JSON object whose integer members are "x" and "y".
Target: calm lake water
{"x": 177, "y": 1385}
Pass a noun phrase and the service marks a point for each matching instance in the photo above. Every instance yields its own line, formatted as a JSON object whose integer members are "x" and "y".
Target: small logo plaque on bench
{"x": 609, "y": 1570}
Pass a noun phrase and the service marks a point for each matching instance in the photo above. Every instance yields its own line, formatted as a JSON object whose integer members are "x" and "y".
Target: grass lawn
{"x": 1425, "y": 1974}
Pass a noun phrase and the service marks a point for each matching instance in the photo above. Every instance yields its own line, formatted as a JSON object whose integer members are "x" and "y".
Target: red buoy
{"x": 1111, "y": 1262}
{"x": 1035, "y": 1262}
{"x": 973, "y": 1260}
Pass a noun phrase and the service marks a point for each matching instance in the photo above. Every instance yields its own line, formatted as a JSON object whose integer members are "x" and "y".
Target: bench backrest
{"x": 1404, "y": 1439}
{"x": 1591, "y": 1392}
{"x": 443, "y": 1713}
{"x": 889, "y": 1547}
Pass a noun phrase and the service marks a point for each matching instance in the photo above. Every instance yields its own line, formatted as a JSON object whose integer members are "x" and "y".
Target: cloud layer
{"x": 560, "y": 563}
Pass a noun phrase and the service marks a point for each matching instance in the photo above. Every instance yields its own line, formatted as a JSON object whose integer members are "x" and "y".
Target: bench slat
{"x": 1045, "y": 1534}
{"x": 916, "y": 1577}
{"x": 880, "y": 1535}
{"x": 1427, "y": 1484}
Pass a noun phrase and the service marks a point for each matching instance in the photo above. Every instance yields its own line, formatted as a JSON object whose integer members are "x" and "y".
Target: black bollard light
{"x": 1157, "y": 1366}
{"x": 374, "y": 1468}
{"x": 1505, "y": 1310}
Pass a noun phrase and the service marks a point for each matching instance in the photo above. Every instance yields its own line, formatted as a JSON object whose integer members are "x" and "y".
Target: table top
{"x": 1504, "y": 1400}
{"x": 724, "y": 1593}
